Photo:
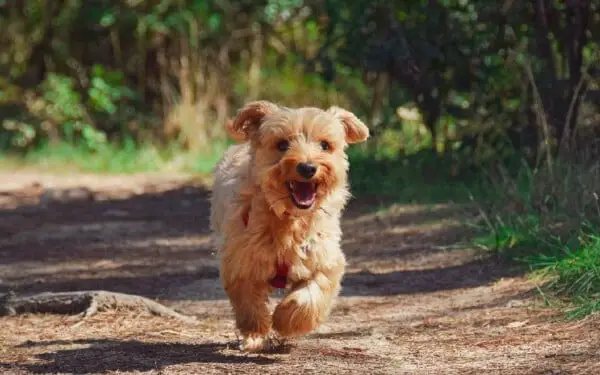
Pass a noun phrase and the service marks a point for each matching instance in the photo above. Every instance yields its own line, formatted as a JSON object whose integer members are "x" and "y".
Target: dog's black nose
{"x": 306, "y": 170}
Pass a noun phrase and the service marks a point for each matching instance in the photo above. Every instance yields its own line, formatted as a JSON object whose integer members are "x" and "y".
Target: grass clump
{"x": 423, "y": 177}
{"x": 548, "y": 219}
{"x": 575, "y": 272}
{"x": 128, "y": 157}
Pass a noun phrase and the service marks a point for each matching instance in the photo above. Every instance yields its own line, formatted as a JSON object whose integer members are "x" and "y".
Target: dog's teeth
{"x": 292, "y": 184}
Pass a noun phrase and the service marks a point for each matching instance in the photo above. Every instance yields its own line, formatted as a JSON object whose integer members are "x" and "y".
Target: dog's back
{"x": 230, "y": 172}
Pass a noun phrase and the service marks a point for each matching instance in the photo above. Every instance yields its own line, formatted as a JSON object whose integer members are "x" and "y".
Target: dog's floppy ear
{"x": 248, "y": 119}
{"x": 356, "y": 130}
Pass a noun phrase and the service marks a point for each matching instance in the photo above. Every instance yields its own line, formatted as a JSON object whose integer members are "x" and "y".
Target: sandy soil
{"x": 411, "y": 303}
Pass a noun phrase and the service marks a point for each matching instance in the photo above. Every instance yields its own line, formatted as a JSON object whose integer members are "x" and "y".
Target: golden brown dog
{"x": 276, "y": 207}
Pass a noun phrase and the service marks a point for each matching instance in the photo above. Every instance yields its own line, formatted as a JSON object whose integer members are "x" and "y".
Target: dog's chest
{"x": 304, "y": 250}
{"x": 307, "y": 248}
{"x": 301, "y": 239}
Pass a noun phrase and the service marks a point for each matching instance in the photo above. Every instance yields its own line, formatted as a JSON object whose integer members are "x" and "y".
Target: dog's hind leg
{"x": 250, "y": 305}
{"x": 307, "y": 305}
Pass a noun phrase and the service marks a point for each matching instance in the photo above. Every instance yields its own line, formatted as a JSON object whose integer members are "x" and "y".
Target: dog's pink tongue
{"x": 304, "y": 192}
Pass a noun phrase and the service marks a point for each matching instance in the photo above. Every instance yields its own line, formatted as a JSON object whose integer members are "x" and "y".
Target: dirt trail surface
{"x": 410, "y": 303}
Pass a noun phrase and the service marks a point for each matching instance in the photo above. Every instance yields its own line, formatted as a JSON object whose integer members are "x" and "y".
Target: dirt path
{"x": 409, "y": 305}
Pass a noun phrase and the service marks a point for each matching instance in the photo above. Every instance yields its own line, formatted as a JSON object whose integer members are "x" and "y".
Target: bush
{"x": 548, "y": 219}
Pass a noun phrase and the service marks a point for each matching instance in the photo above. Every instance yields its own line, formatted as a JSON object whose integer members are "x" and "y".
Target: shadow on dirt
{"x": 59, "y": 230}
{"x": 206, "y": 285}
{"x": 104, "y": 355}
{"x": 157, "y": 243}
{"x": 468, "y": 275}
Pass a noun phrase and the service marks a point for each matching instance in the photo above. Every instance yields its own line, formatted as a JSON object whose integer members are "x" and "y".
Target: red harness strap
{"x": 280, "y": 279}
{"x": 246, "y": 217}
{"x": 281, "y": 270}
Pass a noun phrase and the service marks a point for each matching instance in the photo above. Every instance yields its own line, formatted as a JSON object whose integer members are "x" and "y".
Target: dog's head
{"x": 299, "y": 157}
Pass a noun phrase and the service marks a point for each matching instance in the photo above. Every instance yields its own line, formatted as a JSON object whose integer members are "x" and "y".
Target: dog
{"x": 276, "y": 206}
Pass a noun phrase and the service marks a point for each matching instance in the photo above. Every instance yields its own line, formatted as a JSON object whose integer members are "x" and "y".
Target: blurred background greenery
{"x": 454, "y": 76}
{"x": 493, "y": 102}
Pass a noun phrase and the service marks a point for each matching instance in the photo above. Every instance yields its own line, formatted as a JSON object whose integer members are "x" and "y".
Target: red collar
{"x": 281, "y": 270}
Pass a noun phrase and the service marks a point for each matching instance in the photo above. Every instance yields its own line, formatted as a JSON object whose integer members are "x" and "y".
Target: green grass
{"x": 512, "y": 239}
{"x": 422, "y": 177}
{"x": 549, "y": 223}
{"x": 127, "y": 158}
{"x": 575, "y": 273}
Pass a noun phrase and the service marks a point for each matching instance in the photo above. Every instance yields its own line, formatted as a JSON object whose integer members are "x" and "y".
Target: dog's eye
{"x": 325, "y": 145}
{"x": 283, "y": 145}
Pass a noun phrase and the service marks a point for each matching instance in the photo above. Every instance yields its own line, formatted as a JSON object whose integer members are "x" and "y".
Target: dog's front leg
{"x": 249, "y": 300}
{"x": 308, "y": 304}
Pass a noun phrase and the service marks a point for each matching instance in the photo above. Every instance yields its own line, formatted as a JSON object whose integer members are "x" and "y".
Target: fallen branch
{"x": 86, "y": 303}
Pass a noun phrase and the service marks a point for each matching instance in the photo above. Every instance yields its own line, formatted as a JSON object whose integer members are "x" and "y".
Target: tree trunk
{"x": 575, "y": 39}
{"x": 561, "y": 101}
{"x": 256, "y": 55}
{"x": 380, "y": 90}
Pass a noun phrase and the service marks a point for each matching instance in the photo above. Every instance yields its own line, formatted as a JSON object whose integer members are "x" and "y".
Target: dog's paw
{"x": 253, "y": 344}
{"x": 295, "y": 315}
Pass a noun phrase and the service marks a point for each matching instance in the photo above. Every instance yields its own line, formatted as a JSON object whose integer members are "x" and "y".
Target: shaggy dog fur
{"x": 276, "y": 206}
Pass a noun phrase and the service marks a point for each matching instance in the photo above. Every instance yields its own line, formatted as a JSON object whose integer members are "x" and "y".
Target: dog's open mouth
{"x": 303, "y": 193}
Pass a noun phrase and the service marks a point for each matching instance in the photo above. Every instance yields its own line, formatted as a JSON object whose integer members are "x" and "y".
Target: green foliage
{"x": 171, "y": 70}
{"x": 573, "y": 271}
{"x": 63, "y": 105}
{"x": 549, "y": 220}
{"x": 409, "y": 178}
{"x": 577, "y": 270}
{"x": 126, "y": 157}
{"x": 59, "y": 108}
{"x": 107, "y": 89}
{"x": 464, "y": 64}
{"x": 510, "y": 238}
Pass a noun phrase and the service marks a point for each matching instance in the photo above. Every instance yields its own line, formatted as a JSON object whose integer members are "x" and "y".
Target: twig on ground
{"x": 86, "y": 303}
